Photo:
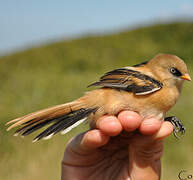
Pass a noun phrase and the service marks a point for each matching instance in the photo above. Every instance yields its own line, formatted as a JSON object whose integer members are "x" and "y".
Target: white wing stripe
{"x": 73, "y": 126}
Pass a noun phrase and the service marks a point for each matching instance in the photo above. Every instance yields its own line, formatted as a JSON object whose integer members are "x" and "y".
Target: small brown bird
{"x": 150, "y": 88}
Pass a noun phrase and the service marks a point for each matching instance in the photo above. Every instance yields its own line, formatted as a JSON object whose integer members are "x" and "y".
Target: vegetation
{"x": 56, "y": 73}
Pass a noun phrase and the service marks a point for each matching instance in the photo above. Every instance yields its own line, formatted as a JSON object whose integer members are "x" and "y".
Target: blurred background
{"x": 51, "y": 50}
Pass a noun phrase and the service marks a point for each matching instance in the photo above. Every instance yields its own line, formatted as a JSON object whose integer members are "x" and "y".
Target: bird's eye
{"x": 175, "y": 72}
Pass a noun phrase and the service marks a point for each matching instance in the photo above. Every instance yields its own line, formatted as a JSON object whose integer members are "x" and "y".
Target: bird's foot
{"x": 178, "y": 125}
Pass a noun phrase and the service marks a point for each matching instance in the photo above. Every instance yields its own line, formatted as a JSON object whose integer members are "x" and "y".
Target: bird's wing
{"x": 141, "y": 64}
{"x": 130, "y": 80}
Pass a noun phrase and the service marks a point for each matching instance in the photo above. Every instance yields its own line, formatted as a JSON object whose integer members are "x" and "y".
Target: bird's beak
{"x": 186, "y": 77}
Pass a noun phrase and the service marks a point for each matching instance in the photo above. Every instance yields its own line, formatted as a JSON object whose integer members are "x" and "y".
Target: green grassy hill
{"x": 59, "y": 72}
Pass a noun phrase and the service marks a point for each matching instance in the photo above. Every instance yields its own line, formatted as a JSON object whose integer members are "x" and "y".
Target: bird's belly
{"x": 165, "y": 99}
{"x": 152, "y": 113}
{"x": 111, "y": 101}
{"x": 152, "y": 105}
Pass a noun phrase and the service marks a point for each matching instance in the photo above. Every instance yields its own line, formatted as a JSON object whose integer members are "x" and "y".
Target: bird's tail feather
{"x": 62, "y": 118}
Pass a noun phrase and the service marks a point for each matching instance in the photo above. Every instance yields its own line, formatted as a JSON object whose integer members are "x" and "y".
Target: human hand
{"x": 114, "y": 151}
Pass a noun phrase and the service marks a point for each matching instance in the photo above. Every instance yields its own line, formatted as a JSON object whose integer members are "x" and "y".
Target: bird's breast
{"x": 112, "y": 101}
{"x": 166, "y": 98}
{"x": 154, "y": 104}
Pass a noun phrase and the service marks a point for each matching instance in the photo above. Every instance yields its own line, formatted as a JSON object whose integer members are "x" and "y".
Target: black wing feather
{"x": 141, "y": 64}
{"x": 65, "y": 122}
{"x": 129, "y": 80}
{"x": 58, "y": 123}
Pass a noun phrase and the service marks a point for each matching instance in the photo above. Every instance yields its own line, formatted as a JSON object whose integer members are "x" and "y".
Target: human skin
{"x": 121, "y": 148}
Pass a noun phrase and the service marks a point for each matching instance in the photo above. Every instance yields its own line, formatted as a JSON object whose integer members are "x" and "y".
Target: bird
{"x": 150, "y": 88}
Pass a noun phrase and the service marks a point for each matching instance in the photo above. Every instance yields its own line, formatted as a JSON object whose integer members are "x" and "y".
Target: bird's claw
{"x": 178, "y": 126}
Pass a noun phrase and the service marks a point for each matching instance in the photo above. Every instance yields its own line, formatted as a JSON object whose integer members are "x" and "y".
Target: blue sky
{"x": 24, "y": 23}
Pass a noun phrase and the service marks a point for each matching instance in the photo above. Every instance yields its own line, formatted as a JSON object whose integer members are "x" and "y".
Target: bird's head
{"x": 170, "y": 69}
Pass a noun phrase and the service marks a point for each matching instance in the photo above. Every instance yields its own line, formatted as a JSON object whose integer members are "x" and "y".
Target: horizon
{"x": 28, "y": 24}
{"x": 38, "y": 44}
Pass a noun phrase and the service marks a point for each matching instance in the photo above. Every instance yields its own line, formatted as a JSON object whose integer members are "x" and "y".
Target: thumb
{"x": 82, "y": 149}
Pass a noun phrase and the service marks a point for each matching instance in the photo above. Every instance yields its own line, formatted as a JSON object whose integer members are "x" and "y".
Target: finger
{"x": 150, "y": 126}
{"x": 94, "y": 139}
{"x": 109, "y": 125}
{"x": 129, "y": 120}
{"x": 165, "y": 130}
{"x": 88, "y": 141}
{"x": 82, "y": 149}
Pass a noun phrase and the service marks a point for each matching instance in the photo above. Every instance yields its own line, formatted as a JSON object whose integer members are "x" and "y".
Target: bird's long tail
{"x": 63, "y": 118}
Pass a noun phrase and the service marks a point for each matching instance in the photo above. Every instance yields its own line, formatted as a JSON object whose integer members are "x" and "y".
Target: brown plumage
{"x": 149, "y": 88}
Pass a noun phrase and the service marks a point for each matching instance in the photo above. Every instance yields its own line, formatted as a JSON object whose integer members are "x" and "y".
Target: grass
{"x": 59, "y": 72}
